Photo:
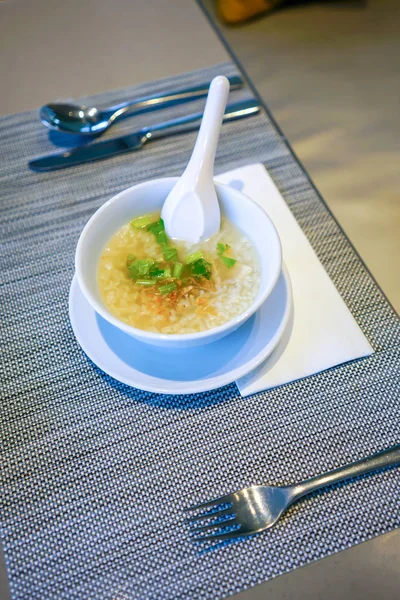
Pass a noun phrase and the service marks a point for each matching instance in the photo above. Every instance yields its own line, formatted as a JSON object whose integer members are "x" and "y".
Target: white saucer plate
{"x": 181, "y": 371}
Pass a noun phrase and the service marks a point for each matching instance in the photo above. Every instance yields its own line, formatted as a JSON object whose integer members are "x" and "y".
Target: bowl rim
{"x": 174, "y": 337}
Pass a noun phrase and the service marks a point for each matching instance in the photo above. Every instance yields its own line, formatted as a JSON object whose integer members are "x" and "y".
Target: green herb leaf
{"x": 194, "y": 257}
{"x": 169, "y": 253}
{"x": 144, "y": 265}
{"x": 133, "y": 273}
{"x": 141, "y": 268}
{"x": 167, "y": 288}
{"x": 178, "y": 268}
{"x": 201, "y": 268}
{"x": 228, "y": 262}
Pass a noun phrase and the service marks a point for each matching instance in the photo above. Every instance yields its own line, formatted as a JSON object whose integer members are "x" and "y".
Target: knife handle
{"x": 150, "y": 103}
{"x": 233, "y": 111}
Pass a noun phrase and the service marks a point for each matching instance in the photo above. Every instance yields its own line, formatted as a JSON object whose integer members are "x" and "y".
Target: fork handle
{"x": 387, "y": 458}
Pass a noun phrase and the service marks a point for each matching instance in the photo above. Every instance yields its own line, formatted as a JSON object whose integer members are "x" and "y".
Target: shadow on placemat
{"x": 172, "y": 402}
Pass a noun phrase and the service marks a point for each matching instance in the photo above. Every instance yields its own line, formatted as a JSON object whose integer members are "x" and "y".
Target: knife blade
{"x": 137, "y": 139}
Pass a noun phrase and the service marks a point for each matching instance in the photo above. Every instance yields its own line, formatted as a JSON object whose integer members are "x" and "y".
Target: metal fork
{"x": 259, "y": 507}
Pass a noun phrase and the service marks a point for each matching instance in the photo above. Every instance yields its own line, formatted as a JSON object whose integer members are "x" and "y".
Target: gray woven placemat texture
{"x": 95, "y": 474}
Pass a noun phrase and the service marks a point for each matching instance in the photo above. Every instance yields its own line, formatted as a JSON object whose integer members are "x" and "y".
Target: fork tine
{"x": 219, "y": 537}
{"x": 209, "y": 515}
{"x": 215, "y": 525}
{"x": 211, "y": 503}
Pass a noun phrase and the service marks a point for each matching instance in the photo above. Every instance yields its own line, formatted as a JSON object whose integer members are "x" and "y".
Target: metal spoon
{"x": 89, "y": 120}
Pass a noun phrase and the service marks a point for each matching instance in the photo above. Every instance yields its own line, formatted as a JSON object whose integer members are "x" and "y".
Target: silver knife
{"x": 136, "y": 140}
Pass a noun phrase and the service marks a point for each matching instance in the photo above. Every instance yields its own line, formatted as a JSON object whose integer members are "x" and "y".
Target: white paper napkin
{"x": 323, "y": 332}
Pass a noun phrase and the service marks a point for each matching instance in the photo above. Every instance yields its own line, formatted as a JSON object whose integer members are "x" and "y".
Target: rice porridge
{"x": 167, "y": 286}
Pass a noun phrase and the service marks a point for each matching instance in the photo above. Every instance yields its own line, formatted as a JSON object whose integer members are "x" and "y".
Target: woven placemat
{"x": 95, "y": 474}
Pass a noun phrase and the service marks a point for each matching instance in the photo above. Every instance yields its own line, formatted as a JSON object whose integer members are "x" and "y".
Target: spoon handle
{"x": 201, "y": 164}
{"x": 150, "y": 103}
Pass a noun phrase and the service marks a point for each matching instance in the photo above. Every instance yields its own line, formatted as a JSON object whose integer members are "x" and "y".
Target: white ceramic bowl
{"x": 148, "y": 197}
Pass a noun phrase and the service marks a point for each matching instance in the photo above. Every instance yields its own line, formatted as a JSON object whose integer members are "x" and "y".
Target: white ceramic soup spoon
{"x": 191, "y": 211}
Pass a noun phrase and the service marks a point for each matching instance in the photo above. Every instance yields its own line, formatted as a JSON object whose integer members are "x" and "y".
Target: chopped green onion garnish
{"x": 156, "y": 272}
{"x": 159, "y": 231}
{"x": 169, "y": 253}
{"x": 201, "y": 268}
{"x": 194, "y": 257}
{"x": 140, "y": 222}
{"x": 161, "y": 238}
{"x": 167, "y": 288}
{"x": 144, "y": 282}
{"x": 178, "y": 268}
{"x": 221, "y": 248}
{"x": 156, "y": 227}
{"x": 167, "y": 273}
{"x": 228, "y": 262}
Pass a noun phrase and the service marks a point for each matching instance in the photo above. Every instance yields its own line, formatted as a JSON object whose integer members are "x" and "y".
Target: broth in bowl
{"x": 168, "y": 286}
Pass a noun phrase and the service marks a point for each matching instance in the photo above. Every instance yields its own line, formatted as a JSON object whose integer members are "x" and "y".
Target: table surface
{"x": 328, "y": 72}
{"x": 41, "y": 61}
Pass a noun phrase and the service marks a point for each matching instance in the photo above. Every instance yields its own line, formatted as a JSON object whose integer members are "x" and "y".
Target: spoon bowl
{"x": 71, "y": 118}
